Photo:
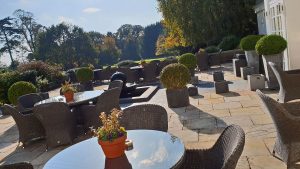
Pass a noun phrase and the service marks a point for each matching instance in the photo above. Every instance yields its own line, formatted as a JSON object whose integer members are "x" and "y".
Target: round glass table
{"x": 79, "y": 98}
{"x": 151, "y": 150}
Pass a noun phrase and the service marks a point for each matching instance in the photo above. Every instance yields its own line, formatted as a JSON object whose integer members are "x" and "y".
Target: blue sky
{"x": 92, "y": 15}
{"x": 97, "y": 15}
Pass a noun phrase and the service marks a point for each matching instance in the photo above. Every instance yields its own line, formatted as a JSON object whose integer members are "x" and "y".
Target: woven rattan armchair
{"x": 223, "y": 155}
{"x": 287, "y": 144}
{"x": 44, "y": 95}
{"x": 27, "y": 101}
{"x": 115, "y": 84}
{"x": 59, "y": 123}
{"x": 21, "y": 165}
{"x": 288, "y": 82}
{"x": 150, "y": 74}
{"x": 30, "y": 128}
{"x": 145, "y": 116}
{"x": 105, "y": 103}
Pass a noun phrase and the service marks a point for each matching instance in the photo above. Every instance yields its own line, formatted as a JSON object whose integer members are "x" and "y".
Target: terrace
{"x": 197, "y": 125}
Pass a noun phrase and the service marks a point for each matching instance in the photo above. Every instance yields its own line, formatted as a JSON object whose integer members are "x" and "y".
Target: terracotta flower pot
{"x": 69, "y": 96}
{"x": 115, "y": 148}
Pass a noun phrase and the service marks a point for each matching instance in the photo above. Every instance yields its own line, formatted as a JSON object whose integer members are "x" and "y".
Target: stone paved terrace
{"x": 198, "y": 125}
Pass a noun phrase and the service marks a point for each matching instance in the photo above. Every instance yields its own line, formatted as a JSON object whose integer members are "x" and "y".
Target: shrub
{"x": 49, "y": 71}
{"x": 248, "y": 43}
{"x": 229, "y": 42}
{"x": 189, "y": 60}
{"x": 9, "y": 78}
{"x": 175, "y": 76}
{"x": 212, "y": 49}
{"x": 127, "y": 63}
{"x": 84, "y": 74}
{"x": 18, "y": 89}
{"x": 270, "y": 45}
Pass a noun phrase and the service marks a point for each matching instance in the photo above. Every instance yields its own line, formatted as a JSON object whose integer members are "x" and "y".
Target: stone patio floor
{"x": 198, "y": 125}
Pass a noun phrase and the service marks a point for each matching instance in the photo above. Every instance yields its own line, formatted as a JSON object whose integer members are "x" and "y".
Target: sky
{"x": 92, "y": 15}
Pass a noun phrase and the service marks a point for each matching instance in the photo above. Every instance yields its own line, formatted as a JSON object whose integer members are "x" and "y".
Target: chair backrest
{"x": 145, "y": 116}
{"x": 109, "y": 100}
{"x": 28, "y": 100}
{"x": 115, "y": 84}
{"x": 21, "y": 165}
{"x": 283, "y": 123}
{"x": 59, "y": 122}
{"x": 44, "y": 95}
{"x": 228, "y": 149}
{"x": 150, "y": 71}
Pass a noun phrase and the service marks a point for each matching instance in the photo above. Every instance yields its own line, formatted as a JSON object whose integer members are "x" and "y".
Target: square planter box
{"x": 245, "y": 71}
{"x": 221, "y": 87}
{"x": 256, "y": 81}
{"x": 218, "y": 76}
{"x": 237, "y": 64}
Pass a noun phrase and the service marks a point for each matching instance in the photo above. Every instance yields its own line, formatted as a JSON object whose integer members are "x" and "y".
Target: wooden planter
{"x": 115, "y": 148}
{"x": 69, "y": 96}
{"x": 178, "y": 97}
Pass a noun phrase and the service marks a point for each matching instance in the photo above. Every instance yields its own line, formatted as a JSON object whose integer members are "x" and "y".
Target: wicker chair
{"x": 145, "y": 116}
{"x": 223, "y": 155}
{"x": 44, "y": 95}
{"x": 115, "y": 84}
{"x": 105, "y": 103}
{"x": 287, "y": 144}
{"x": 288, "y": 82}
{"x": 59, "y": 123}
{"x": 27, "y": 101}
{"x": 30, "y": 128}
{"x": 21, "y": 165}
{"x": 150, "y": 72}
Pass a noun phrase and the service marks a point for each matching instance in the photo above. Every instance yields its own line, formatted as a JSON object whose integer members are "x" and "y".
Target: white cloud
{"x": 65, "y": 19}
{"x": 90, "y": 10}
{"x": 159, "y": 156}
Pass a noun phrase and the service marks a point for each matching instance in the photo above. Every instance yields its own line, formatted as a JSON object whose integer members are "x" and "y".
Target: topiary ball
{"x": 19, "y": 89}
{"x": 229, "y": 43}
{"x": 248, "y": 43}
{"x": 84, "y": 75}
{"x": 189, "y": 60}
{"x": 271, "y": 45}
{"x": 175, "y": 76}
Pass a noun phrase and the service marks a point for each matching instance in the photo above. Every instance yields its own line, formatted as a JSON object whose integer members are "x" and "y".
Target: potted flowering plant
{"x": 111, "y": 136}
{"x": 68, "y": 90}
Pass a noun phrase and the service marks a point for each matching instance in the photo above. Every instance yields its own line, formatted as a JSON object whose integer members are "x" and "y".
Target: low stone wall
{"x": 224, "y": 57}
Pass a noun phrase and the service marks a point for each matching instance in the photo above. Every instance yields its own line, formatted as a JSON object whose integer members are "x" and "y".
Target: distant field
{"x": 149, "y": 60}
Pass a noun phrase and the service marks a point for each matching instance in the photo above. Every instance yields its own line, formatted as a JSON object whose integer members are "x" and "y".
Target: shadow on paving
{"x": 195, "y": 119}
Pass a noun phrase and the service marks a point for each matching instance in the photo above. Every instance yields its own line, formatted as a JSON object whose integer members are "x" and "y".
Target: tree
{"x": 29, "y": 29}
{"x": 151, "y": 34}
{"x": 65, "y": 44}
{"x": 129, "y": 40}
{"x": 9, "y": 37}
{"x": 109, "y": 52}
{"x": 208, "y": 21}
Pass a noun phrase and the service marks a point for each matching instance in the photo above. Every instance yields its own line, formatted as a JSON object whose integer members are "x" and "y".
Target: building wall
{"x": 261, "y": 20}
{"x": 292, "y": 13}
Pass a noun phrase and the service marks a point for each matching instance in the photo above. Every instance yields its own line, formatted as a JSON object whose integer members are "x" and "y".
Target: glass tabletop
{"x": 151, "y": 150}
{"x": 79, "y": 98}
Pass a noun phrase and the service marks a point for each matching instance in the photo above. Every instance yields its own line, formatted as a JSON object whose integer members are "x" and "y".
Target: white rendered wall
{"x": 292, "y": 14}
